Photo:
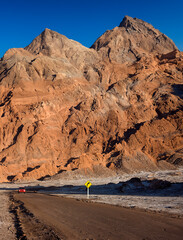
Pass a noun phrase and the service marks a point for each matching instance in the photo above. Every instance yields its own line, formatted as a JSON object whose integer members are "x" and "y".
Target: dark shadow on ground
{"x": 132, "y": 187}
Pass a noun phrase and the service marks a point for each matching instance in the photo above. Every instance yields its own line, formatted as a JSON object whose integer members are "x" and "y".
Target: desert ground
{"x": 7, "y": 228}
{"x": 117, "y": 207}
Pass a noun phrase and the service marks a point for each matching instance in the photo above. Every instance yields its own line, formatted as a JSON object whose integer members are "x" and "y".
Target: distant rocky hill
{"x": 117, "y": 105}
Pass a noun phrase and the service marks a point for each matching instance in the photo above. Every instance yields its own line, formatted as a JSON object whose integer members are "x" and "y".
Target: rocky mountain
{"x": 132, "y": 40}
{"x": 116, "y": 106}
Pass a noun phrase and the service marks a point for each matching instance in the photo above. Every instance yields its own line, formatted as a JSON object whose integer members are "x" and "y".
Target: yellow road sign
{"x": 88, "y": 184}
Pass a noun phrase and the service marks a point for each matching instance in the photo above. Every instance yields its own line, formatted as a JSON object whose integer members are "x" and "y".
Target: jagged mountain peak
{"x": 56, "y": 45}
{"x": 48, "y": 33}
{"x": 46, "y": 42}
{"x": 139, "y": 25}
{"x": 46, "y": 30}
{"x": 130, "y": 20}
{"x": 125, "y": 21}
{"x": 130, "y": 41}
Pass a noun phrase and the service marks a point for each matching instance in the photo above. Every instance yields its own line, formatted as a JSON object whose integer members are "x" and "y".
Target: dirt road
{"x": 76, "y": 219}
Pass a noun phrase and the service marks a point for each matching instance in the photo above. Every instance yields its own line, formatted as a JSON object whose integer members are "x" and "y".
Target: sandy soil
{"x": 7, "y": 229}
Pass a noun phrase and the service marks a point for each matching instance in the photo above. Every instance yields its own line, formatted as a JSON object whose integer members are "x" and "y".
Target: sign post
{"x": 88, "y": 194}
{"x": 88, "y": 185}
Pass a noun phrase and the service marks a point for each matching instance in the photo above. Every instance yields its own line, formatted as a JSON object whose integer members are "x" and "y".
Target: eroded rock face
{"x": 132, "y": 40}
{"x": 66, "y": 107}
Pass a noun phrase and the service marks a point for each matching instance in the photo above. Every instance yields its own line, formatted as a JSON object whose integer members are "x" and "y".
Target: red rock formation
{"x": 66, "y": 107}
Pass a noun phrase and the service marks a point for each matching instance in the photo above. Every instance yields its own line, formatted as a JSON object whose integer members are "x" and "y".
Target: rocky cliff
{"x": 117, "y": 105}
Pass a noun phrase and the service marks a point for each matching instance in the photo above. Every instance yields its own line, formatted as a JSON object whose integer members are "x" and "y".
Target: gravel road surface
{"x": 81, "y": 219}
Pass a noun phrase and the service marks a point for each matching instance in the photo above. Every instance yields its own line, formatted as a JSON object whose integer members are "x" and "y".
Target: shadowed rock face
{"x": 66, "y": 107}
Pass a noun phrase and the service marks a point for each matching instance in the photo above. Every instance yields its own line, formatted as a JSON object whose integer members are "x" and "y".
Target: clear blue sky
{"x": 83, "y": 21}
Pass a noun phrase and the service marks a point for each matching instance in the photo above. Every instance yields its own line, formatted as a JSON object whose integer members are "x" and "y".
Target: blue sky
{"x": 83, "y": 21}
